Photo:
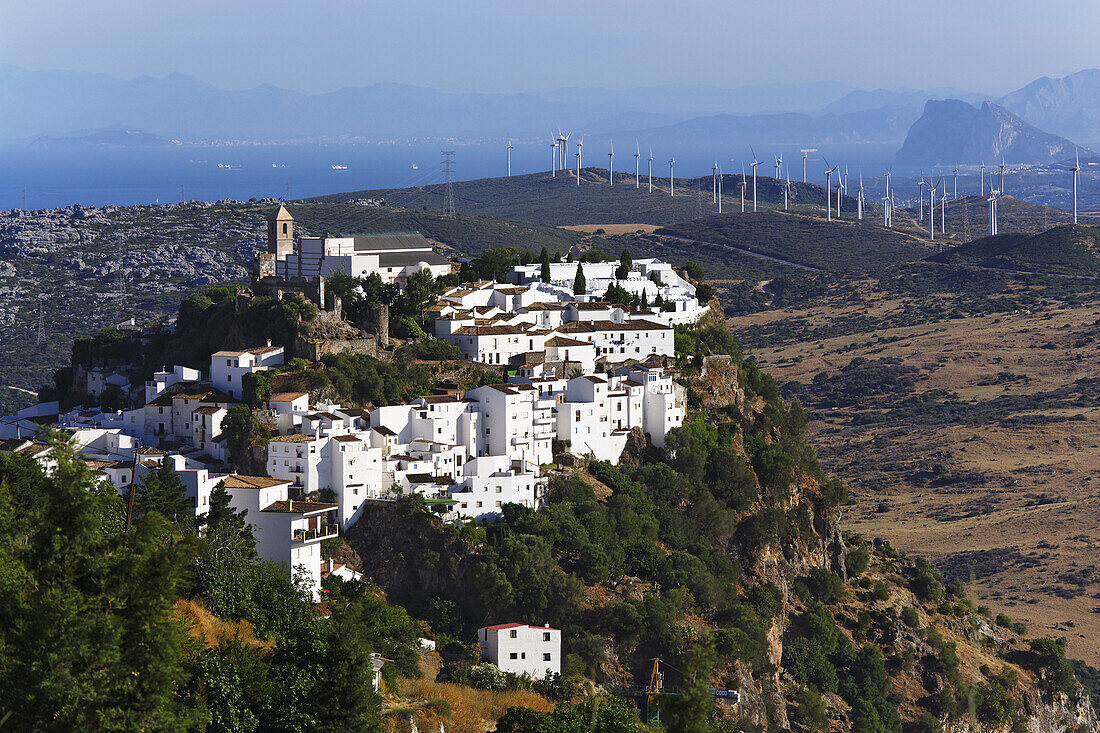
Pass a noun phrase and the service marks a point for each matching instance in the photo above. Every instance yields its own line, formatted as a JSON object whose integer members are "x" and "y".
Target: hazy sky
{"x": 989, "y": 46}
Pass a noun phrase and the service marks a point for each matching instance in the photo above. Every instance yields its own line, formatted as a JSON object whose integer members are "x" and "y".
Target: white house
{"x": 163, "y": 380}
{"x": 289, "y": 531}
{"x": 515, "y": 421}
{"x": 394, "y": 256}
{"x": 522, "y": 649}
{"x": 490, "y": 482}
{"x": 228, "y": 367}
{"x": 617, "y": 342}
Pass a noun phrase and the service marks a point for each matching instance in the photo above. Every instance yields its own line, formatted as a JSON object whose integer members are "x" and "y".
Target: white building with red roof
{"x": 521, "y": 649}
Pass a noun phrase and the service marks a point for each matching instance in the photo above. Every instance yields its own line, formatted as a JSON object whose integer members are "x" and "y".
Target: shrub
{"x": 488, "y": 676}
{"x": 910, "y": 617}
{"x": 926, "y": 580}
{"x": 857, "y": 560}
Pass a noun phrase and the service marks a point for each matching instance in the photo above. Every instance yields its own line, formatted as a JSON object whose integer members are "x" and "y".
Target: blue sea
{"x": 101, "y": 176}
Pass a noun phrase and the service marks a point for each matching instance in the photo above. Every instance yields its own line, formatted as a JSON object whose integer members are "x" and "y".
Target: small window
{"x": 546, "y": 636}
{"x": 512, "y": 634}
{"x": 513, "y": 655}
{"x": 546, "y": 657}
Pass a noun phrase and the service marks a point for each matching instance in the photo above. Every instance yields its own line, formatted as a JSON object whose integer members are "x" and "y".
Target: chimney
{"x": 269, "y": 342}
{"x": 290, "y": 504}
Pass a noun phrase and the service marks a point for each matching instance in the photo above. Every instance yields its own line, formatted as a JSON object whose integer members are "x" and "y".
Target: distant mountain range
{"x": 1069, "y": 106}
{"x": 951, "y": 131}
{"x": 53, "y": 105}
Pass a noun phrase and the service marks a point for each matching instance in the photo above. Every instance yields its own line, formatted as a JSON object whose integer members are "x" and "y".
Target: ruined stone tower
{"x": 280, "y": 233}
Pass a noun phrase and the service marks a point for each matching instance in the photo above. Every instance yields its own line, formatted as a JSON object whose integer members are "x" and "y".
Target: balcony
{"x": 311, "y": 535}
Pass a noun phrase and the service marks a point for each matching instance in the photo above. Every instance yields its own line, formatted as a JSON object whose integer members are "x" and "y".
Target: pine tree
{"x": 545, "y": 259}
{"x": 89, "y": 641}
{"x": 580, "y": 287}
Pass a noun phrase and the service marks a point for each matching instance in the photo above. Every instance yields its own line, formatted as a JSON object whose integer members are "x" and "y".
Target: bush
{"x": 857, "y": 560}
{"x": 926, "y": 580}
{"x": 488, "y": 676}
{"x": 440, "y": 707}
{"x": 910, "y": 617}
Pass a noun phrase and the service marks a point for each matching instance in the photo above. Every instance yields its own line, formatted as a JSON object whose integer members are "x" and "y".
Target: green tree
{"x": 544, "y": 258}
{"x": 242, "y": 432}
{"x": 691, "y": 711}
{"x": 88, "y": 640}
{"x": 161, "y": 491}
{"x": 418, "y": 294}
{"x": 580, "y": 287}
{"x": 626, "y": 264}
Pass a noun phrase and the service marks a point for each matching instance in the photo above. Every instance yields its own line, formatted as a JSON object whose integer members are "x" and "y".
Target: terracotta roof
{"x": 594, "y": 306}
{"x": 293, "y": 438}
{"x": 383, "y": 430}
{"x": 437, "y": 399}
{"x": 562, "y": 341}
{"x": 208, "y": 410}
{"x": 592, "y": 326}
{"x": 298, "y": 506}
{"x": 488, "y": 330}
{"x": 286, "y": 396}
{"x": 500, "y": 627}
{"x": 347, "y": 439}
{"x": 236, "y": 481}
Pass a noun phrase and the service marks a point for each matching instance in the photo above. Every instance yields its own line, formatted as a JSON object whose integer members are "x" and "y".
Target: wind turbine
{"x": 553, "y": 156}
{"x": 744, "y": 182}
{"x": 509, "y": 158}
{"x": 787, "y": 190}
{"x": 650, "y": 159}
{"x": 841, "y": 188}
{"x": 1076, "y": 169}
{"x": 714, "y": 182}
{"x": 931, "y": 209}
{"x": 564, "y": 147}
{"x": 611, "y": 165}
{"x": 778, "y": 165}
{"x": 637, "y": 164}
{"x": 888, "y": 203}
{"x": 754, "y": 163}
{"x": 859, "y": 198}
{"x": 828, "y": 190}
{"x": 1001, "y": 190}
{"x": 943, "y": 207}
{"x": 993, "y": 195}
{"x": 920, "y": 195}
{"x": 981, "y": 177}
{"x": 719, "y": 189}
{"x": 580, "y": 149}
{"x": 805, "y": 152}
{"x": 671, "y": 177}
{"x": 955, "y": 195}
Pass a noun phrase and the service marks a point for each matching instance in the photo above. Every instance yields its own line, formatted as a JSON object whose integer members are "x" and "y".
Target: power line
{"x": 448, "y": 176}
{"x": 40, "y": 335}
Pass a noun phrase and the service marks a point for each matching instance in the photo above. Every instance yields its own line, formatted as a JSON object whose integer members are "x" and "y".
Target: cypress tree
{"x": 579, "y": 284}
{"x": 545, "y": 258}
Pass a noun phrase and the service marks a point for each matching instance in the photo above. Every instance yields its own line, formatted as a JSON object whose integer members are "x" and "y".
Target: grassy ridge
{"x": 1063, "y": 250}
{"x": 559, "y": 201}
{"x": 844, "y": 246}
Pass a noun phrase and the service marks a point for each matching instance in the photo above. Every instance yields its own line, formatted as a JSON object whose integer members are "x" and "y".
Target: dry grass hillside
{"x": 973, "y": 440}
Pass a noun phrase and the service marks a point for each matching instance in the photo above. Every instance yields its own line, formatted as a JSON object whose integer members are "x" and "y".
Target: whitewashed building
{"x": 534, "y": 651}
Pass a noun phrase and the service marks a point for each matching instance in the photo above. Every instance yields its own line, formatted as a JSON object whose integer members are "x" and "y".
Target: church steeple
{"x": 280, "y": 233}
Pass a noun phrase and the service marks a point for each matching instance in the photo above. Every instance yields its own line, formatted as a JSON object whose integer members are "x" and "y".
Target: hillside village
{"x": 584, "y": 377}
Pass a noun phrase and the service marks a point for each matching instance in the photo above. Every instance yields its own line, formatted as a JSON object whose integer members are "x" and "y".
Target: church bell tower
{"x": 280, "y": 233}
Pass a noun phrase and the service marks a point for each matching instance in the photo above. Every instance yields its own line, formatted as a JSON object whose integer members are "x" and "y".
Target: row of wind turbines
{"x": 558, "y": 163}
